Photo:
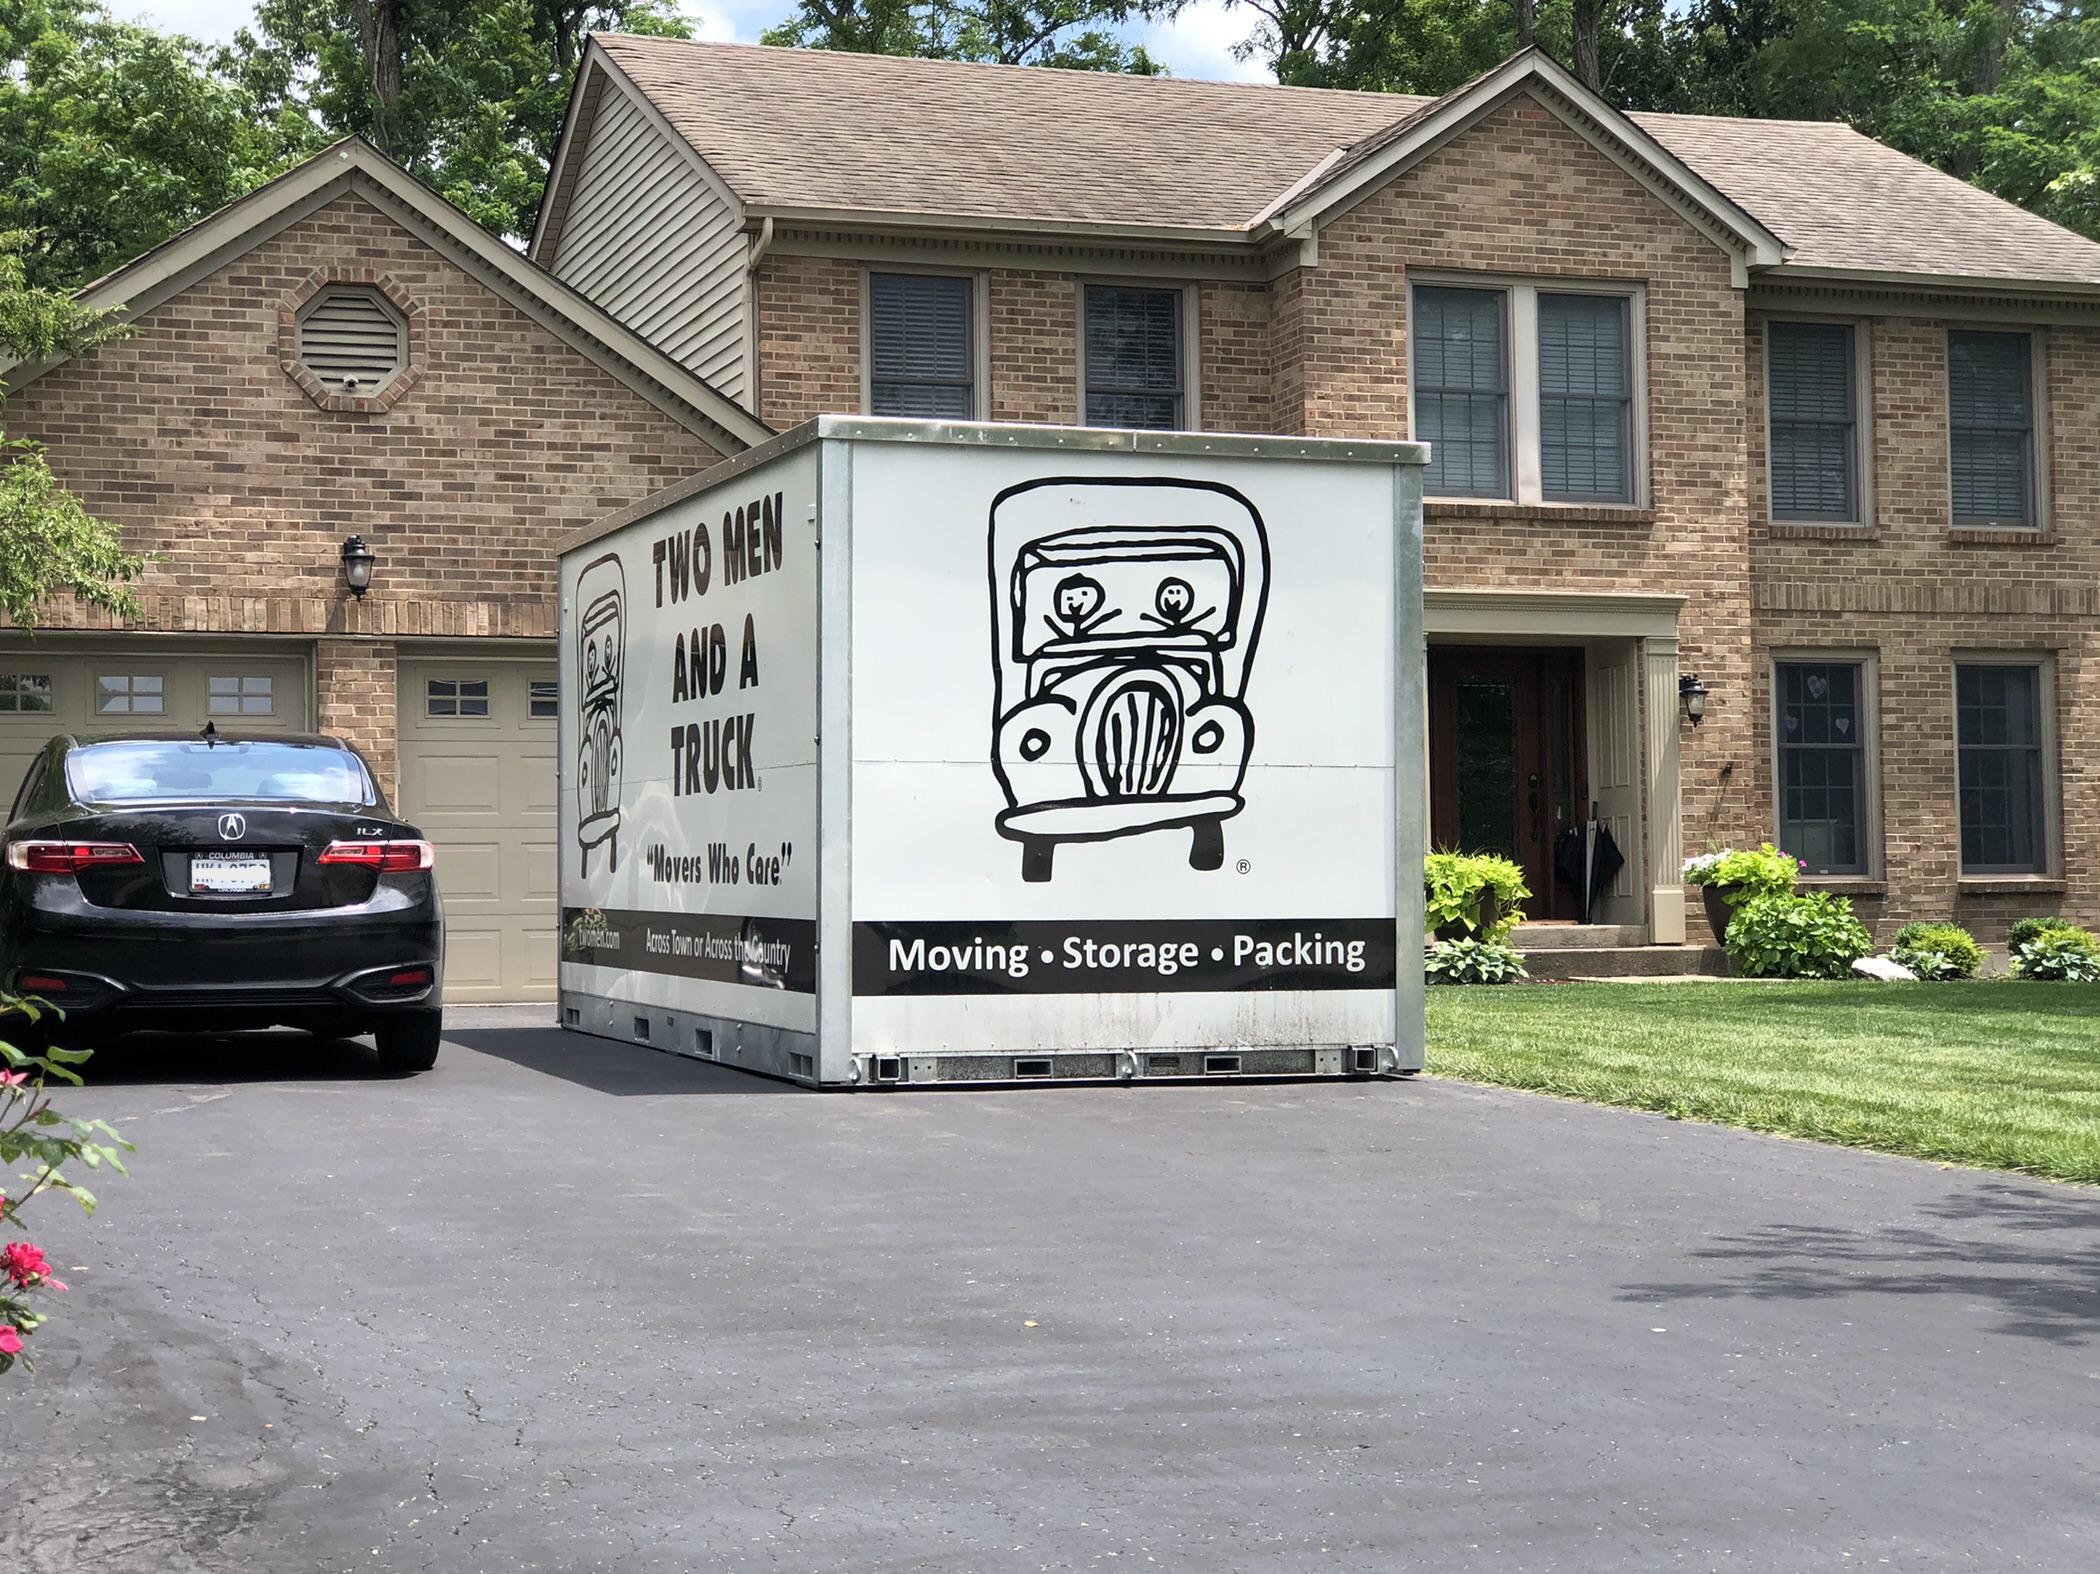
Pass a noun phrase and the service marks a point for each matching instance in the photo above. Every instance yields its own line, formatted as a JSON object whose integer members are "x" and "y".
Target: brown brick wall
{"x": 240, "y": 488}
{"x": 355, "y": 681}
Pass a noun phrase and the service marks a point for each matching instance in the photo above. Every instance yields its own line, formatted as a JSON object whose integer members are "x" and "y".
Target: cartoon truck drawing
{"x": 601, "y": 661}
{"x": 1125, "y": 615}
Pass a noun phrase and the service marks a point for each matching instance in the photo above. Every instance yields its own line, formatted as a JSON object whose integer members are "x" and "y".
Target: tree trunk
{"x": 380, "y": 34}
{"x": 1588, "y": 20}
{"x": 1527, "y": 22}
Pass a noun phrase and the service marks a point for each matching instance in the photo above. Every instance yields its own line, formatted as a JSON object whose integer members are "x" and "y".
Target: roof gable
{"x": 1424, "y": 129}
{"x": 353, "y": 164}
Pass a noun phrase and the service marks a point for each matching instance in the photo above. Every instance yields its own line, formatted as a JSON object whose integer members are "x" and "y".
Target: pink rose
{"x": 26, "y": 1265}
{"x": 10, "y": 1341}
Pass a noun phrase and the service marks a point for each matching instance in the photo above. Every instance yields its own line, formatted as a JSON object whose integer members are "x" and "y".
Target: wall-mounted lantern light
{"x": 357, "y": 566}
{"x": 1691, "y": 694}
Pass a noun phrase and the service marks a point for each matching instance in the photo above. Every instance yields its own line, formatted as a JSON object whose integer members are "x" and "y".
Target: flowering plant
{"x": 30, "y": 1128}
{"x": 1760, "y": 871}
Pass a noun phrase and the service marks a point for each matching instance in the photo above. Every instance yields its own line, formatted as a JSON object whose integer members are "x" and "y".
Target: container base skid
{"x": 776, "y": 1052}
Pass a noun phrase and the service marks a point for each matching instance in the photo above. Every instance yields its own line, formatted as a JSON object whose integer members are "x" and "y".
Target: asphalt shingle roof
{"x": 880, "y": 133}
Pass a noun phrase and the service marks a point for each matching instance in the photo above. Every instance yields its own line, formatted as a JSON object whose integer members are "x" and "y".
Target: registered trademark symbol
{"x": 1242, "y": 867}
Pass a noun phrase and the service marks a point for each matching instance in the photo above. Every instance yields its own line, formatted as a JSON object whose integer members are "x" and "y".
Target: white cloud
{"x": 1198, "y": 43}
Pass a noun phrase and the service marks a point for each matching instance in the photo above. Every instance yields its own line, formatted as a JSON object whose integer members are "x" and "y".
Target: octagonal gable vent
{"x": 352, "y": 340}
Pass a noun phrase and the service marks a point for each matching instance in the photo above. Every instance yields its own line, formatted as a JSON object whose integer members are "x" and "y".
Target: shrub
{"x": 2033, "y": 929}
{"x": 1453, "y": 884}
{"x": 1808, "y": 934}
{"x": 1959, "y": 954}
{"x": 30, "y": 1128}
{"x": 2064, "y": 952}
{"x": 1762, "y": 871}
{"x": 1472, "y": 962}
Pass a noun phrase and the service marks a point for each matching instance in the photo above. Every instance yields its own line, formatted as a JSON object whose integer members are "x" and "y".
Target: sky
{"x": 1197, "y": 43}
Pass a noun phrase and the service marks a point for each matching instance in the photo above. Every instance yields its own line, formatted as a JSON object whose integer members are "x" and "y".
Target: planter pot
{"x": 1718, "y": 907}
{"x": 1490, "y": 912}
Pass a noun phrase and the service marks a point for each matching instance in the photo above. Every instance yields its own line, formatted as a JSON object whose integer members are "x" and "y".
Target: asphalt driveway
{"x": 565, "y": 1305}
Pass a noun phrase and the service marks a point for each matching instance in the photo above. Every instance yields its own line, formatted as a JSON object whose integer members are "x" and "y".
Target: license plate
{"x": 224, "y": 873}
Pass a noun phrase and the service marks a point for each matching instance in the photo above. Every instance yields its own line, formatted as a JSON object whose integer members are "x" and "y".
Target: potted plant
{"x": 1728, "y": 878}
{"x": 1472, "y": 896}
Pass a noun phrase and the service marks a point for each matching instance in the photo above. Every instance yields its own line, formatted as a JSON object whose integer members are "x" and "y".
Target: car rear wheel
{"x": 410, "y": 1042}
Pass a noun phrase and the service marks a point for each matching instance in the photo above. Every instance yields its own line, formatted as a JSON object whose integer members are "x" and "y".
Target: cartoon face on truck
{"x": 1125, "y": 615}
{"x": 601, "y": 659}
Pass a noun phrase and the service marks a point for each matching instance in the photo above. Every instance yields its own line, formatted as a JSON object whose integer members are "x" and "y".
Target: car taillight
{"x": 70, "y": 857}
{"x": 382, "y": 857}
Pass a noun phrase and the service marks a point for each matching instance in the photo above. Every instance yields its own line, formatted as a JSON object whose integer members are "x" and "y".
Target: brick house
{"x": 1763, "y": 405}
{"x": 342, "y": 353}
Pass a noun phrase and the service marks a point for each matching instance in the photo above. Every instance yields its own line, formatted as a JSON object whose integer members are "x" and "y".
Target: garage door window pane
{"x": 242, "y": 695}
{"x": 25, "y": 693}
{"x": 545, "y": 700}
{"x": 459, "y": 697}
{"x": 120, "y": 694}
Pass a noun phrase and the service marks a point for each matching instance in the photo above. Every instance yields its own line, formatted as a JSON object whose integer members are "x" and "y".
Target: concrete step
{"x": 1634, "y": 961}
{"x": 1543, "y": 936}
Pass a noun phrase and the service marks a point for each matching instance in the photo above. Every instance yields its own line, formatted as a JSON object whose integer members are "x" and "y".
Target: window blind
{"x": 1990, "y": 428}
{"x": 1809, "y": 383}
{"x": 1461, "y": 391}
{"x": 1585, "y": 399}
{"x": 920, "y": 358}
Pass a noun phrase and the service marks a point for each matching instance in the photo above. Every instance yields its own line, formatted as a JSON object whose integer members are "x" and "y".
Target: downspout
{"x": 758, "y": 255}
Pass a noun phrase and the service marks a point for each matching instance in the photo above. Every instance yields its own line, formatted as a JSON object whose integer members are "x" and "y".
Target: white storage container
{"x": 913, "y": 752}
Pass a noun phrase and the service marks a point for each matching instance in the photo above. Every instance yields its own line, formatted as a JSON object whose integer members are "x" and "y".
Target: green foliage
{"x": 1959, "y": 954}
{"x": 1809, "y": 934}
{"x": 114, "y": 136}
{"x": 1075, "y": 35}
{"x": 1454, "y": 884}
{"x": 49, "y": 543}
{"x": 2034, "y": 928}
{"x": 1757, "y": 871}
{"x": 2068, "y": 953}
{"x": 1933, "y": 966}
{"x": 1472, "y": 962}
{"x": 30, "y": 1128}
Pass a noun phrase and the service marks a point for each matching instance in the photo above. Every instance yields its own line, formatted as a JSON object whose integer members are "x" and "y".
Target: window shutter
{"x": 1585, "y": 398}
{"x": 1990, "y": 421}
{"x": 919, "y": 345}
{"x": 352, "y": 341}
{"x": 1809, "y": 383}
{"x": 1462, "y": 391}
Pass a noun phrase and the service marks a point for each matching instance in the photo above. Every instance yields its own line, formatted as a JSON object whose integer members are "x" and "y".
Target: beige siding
{"x": 652, "y": 241}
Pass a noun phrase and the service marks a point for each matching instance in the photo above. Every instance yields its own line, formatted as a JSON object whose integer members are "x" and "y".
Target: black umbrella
{"x": 1588, "y": 858}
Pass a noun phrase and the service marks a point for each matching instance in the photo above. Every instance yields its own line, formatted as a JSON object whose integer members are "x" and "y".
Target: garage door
{"x": 48, "y": 688}
{"x": 477, "y": 775}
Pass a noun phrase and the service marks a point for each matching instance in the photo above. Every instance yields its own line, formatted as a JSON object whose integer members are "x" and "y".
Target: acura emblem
{"x": 232, "y": 827}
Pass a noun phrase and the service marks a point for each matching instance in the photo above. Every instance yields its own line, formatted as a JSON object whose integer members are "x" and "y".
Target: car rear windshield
{"x": 173, "y": 771}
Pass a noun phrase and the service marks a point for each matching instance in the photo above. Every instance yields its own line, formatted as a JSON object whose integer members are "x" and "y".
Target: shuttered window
{"x": 352, "y": 340}
{"x": 1823, "y": 764}
{"x": 1810, "y": 385}
{"x": 1133, "y": 358}
{"x": 921, "y": 359}
{"x": 1585, "y": 399}
{"x": 1998, "y": 733}
{"x": 1990, "y": 427}
{"x": 1461, "y": 374}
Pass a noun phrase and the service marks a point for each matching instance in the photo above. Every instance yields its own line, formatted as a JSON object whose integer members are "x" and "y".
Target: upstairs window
{"x": 1132, "y": 354}
{"x": 1461, "y": 367}
{"x": 353, "y": 340}
{"x": 1811, "y": 396}
{"x": 1990, "y": 428}
{"x": 921, "y": 352}
{"x": 1527, "y": 394}
{"x": 1585, "y": 400}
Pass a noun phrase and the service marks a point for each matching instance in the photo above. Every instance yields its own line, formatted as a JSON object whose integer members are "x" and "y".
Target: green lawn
{"x": 2001, "y": 1074}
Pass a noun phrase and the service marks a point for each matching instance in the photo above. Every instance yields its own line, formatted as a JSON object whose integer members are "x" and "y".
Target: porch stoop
{"x": 1611, "y": 951}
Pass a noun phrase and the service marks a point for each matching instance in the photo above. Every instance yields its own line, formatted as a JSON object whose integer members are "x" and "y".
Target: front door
{"x": 1507, "y": 768}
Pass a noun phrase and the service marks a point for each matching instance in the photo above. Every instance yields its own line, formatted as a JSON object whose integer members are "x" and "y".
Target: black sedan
{"x": 211, "y": 882}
